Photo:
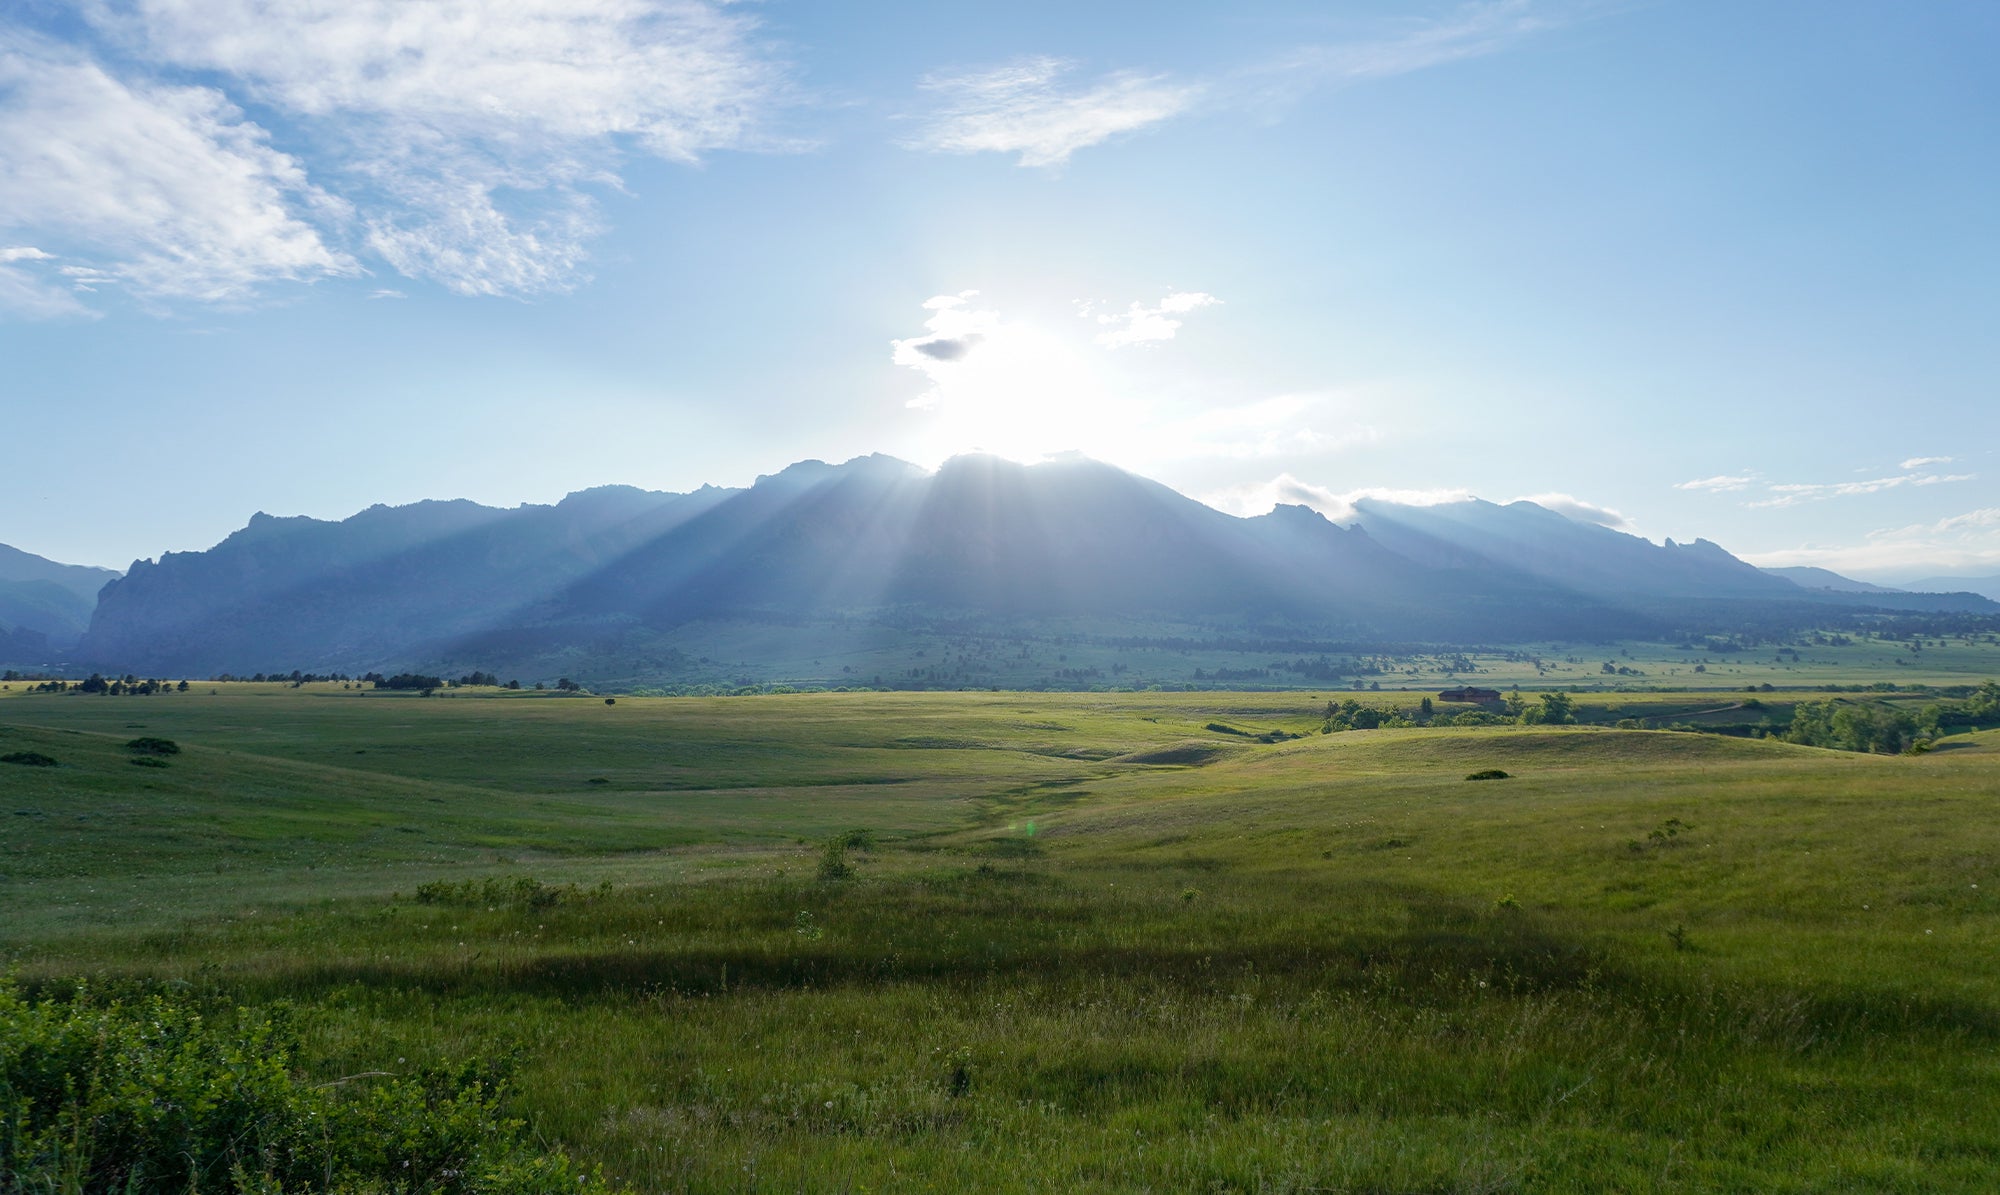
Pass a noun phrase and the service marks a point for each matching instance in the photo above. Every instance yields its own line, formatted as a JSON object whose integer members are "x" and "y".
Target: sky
{"x": 1684, "y": 267}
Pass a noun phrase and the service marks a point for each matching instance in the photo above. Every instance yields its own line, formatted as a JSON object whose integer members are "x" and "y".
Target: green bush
{"x": 153, "y": 1095}
{"x": 30, "y": 759}
{"x": 152, "y": 746}
{"x": 1490, "y": 774}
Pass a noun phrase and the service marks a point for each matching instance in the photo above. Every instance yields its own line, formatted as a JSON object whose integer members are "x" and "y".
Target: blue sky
{"x": 1692, "y": 269}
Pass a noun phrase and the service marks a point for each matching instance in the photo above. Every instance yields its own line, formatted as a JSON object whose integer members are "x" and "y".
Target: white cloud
{"x": 387, "y": 292}
{"x": 1572, "y": 507}
{"x": 1720, "y": 484}
{"x": 463, "y": 137}
{"x": 951, "y": 333}
{"x": 1140, "y": 324}
{"x": 1023, "y": 109}
{"x": 454, "y": 230}
{"x": 1918, "y": 462}
{"x": 1339, "y": 506}
{"x": 166, "y": 190}
{"x": 442, "y": 107}
{"x": 1279, "y": 426}
{"x": 1259, "y": 497}
{"x": 678, "y": 77}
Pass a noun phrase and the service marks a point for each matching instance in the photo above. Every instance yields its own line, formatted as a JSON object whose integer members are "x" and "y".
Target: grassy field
{"x": 1087, "y": 941}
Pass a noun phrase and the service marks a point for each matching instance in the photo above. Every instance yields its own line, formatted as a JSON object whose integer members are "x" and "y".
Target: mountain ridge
{"x": 980, "y": 540}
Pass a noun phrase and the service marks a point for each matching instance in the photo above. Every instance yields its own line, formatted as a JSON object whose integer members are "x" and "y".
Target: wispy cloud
{"x": 1958, "y": 542}
{"x": 1142, "y": 324}
{"x": 1030, "y": 108}
{"x": 166, "y": 190}
{"x": 1571, "y": 507}
{"x": 455, "y": 140}
{"x": 1420, "y": 43}
{"x": 29, "y": 292}
{"x": 1918, "y": 462}
{"x": 1720, "y": 484}
{"x": 1025, "y": 108}
{"x": 1793, "y": 493}
{"x": 1341, "y": 506}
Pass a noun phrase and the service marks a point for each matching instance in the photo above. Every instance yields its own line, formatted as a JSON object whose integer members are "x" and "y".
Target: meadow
{"x": 1055, "y": 942}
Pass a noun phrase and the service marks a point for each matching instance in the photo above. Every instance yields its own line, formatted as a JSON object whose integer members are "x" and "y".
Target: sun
{"x": 1013, "y": 388}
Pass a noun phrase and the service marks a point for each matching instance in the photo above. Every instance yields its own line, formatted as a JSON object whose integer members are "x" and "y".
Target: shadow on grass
{"x": 1448, "y": 953}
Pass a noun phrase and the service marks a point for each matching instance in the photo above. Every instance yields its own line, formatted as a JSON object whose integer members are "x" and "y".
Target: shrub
{"x": 148, "y": 761}
{"x": 30, "y": 759}
{"x": 152, "y": 746}
{"x": 153, "y": 1095}
{"x": 1490, "y": 774}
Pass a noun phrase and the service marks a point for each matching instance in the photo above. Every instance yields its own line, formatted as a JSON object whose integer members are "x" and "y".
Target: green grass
{"x": 1093, "y": 945}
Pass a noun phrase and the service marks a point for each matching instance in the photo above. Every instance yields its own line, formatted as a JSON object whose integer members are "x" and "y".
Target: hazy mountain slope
{"x": 1988, "y": 587}
{"x": 44, "y": 606}
{"x": 1808, "y": 577}
{"x": 80, "y": 579}
{"x": 379, "y": 586}
{"x": 1525, "y": 538}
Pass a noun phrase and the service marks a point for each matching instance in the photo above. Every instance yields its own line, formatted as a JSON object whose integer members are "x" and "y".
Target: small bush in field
{"x": 493, "y": 890}
{"x": 833, "y": 864}
{"x": 1490, "y": 774}
{"x": 29, "y": 759}
{"x": 148, "y": 745}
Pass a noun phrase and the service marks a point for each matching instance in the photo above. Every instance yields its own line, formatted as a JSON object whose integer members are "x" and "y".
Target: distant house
{"x": 1475, "y": 696}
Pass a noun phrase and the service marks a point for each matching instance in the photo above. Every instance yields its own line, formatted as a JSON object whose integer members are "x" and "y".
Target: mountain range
{"x": 636, "y": 583}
